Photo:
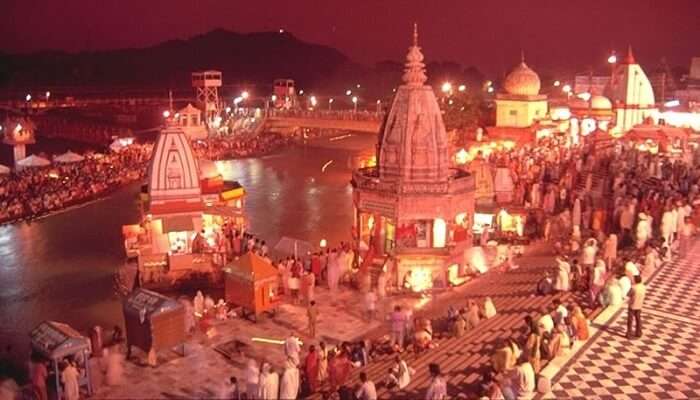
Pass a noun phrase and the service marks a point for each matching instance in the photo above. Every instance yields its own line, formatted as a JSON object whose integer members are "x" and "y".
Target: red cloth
{"x": 339, "y": 371}
{"x": 311, "y": 369}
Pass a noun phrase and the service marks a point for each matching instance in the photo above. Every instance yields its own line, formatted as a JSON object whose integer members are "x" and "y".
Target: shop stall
{"x": 57, "y": 341}
{"x": 153, "y": 322}
{"x": 252, "y": 284}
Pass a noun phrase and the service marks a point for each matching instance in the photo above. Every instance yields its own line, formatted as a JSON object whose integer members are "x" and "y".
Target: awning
{"x": 178, "y": 224}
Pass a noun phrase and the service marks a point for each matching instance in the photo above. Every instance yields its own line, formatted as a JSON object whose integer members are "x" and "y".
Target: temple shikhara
{"x": 413, "y": 206}
{"x": 186, "y": 206}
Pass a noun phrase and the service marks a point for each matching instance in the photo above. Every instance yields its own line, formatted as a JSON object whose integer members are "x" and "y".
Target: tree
{"x": 462, "y": 110}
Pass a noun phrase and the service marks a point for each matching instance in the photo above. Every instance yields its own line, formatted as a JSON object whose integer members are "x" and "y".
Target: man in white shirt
{"x": 634, "y": 312}
{"x": 367, "y": 391}
{"x": 292, "y": 348}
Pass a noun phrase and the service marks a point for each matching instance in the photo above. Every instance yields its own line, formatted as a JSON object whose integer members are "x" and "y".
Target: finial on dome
{"x": 415, "y": 34}
{"x": 522, "y": 56}
{"x": 414, "y": 73}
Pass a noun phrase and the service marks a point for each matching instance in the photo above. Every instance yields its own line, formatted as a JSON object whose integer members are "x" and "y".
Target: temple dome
{"x": 522, "y": 81}
{"x": 600, "y": 103}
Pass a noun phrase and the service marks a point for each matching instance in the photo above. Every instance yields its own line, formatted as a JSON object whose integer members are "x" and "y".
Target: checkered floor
{"x": 664, "y": 363}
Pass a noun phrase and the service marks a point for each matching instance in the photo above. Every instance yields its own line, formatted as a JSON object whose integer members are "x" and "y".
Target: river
{"x": 61, "y": 267}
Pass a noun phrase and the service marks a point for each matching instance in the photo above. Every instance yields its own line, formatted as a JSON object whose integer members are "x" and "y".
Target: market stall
{"x": 57, "y": 341}
{"x": 153, "y": 322}
{"x": 252, "y": 283}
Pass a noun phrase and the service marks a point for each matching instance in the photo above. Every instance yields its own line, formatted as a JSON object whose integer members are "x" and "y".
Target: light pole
{"x": 354, "y": 102}
{"x": 379, "y": 107}
{"x": 330, "y": 104}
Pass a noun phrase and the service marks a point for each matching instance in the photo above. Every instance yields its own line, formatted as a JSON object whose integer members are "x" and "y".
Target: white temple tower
{"x": 631, "y": 93}
{"x": 18, "y": 133}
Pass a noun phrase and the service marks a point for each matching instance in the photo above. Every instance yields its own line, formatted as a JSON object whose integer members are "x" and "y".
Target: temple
{"x": 187, "y": 204}
{"x": 631, "y": 93}
{"x": 521, "y": 104}
{"x": 413, "y": 205}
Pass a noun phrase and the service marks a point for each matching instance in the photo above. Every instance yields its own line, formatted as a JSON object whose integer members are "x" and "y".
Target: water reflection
{"x": 61, "y": 267}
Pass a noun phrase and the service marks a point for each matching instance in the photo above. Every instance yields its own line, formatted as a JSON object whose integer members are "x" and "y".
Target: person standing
{"x": 71, "y": 387}
{"x": 398, "y": 327}
{"x": 312, "y": 315}
{"x": 634, "y": 312}
{"x": 39, "y": 374}
{"x": 290, "y": 381}
{"x": 252, "y": 375}
{"x": 311, "y": 368}
{"x": 268, "y": 384}
{"x": 370, "y": 304}
{"x": 292, "y": 348}
{"x": 438, "y": 388}
{"x": 367, "y": 391}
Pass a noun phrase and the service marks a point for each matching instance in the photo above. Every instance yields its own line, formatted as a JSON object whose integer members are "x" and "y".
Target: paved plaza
{"x": 664, "y": 363}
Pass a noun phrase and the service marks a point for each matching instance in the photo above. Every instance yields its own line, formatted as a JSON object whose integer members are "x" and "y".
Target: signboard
{"x": 379, "y": 205}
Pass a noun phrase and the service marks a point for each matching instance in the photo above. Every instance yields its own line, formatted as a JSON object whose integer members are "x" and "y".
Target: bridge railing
{"x": 347, "y": 115}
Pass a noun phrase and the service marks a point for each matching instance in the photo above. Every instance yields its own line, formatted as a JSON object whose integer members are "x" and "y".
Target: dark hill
{"x": 253, "y": 57}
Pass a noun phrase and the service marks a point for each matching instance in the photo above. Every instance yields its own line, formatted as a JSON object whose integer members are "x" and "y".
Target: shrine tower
{"x": 631, "y": 93}
{"x": 413, "y": 205}
{"x": 173, "y": 174}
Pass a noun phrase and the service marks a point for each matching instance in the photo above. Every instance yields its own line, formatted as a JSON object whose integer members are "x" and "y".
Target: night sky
{"x": 489, "y": 34}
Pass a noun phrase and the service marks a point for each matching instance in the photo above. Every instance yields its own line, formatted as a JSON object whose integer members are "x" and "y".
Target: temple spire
{"x": 629, "y": 59}
{"x": 414, "y": 72}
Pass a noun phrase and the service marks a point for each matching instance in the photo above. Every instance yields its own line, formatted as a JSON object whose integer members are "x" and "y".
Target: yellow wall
{"x": 519, "y": 114}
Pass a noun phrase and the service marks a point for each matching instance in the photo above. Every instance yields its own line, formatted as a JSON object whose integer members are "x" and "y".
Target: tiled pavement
{"x": 463, "y": 360}
{"x": 664, "y": 363}
{"x": 200, "y": 373}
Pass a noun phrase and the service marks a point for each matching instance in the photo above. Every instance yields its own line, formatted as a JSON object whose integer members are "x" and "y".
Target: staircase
{"x": 600, "y": 186}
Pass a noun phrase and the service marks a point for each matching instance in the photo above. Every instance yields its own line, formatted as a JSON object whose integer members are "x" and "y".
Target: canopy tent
{"x": 56, "y": 341}
{"x": 292, "y": 246}
{"x": 33, "y": 161}
{"x": 68, "y": 157}
{"x": 4, "y": 169}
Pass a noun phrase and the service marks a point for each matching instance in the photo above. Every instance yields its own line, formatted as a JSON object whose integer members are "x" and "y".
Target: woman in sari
{"x": 311, "y": 368}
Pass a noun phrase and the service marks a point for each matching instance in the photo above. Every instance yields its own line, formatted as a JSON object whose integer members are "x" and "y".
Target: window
{"x": 513, "y": 112}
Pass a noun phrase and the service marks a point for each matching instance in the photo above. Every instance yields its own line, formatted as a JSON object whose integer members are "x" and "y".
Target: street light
{"x": 348, "y": 92}
{"x": 48, "y": 94}
{"x": 166, "y": 114}
{"x": 358, "y": 85}
{"x": 612, "y": 59}
{"x": 462, "y": 88}
{"x": 245, "y": 95}
{"x": 330, "y": 103}
{"x": 557, "y": 83}
{"x": 566, "y": 88}
{"x": 313, "y": 101}
{"x": 301, "y": 92}
{"x": 446, "y": 87}
{"x": 379, "y": 106}
{"x": 28, "y": 97}
{"x": 354, "y": 102}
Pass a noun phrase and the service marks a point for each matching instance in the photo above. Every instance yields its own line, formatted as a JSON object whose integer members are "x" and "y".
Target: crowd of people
{"x": 36, "y": 191}
{"x": 225, "y": 147}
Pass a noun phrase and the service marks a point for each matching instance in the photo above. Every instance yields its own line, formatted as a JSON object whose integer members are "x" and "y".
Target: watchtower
{"x": 18, "y": 132}
{"x": 206, "y": 85}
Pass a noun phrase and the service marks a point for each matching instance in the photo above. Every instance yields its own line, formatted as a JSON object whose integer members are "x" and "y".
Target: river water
{"x": 61, "y": 267}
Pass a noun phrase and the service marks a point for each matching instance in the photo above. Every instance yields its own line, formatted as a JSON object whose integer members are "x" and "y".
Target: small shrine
{"x": 18, "y": 133}
{"x": 521, "y": 104}
{"x": 413, "y": 205}
{"x": 186, "y": 206}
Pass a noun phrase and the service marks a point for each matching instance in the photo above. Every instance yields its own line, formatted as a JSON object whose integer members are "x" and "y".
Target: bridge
{"x": 274, "y": 120}
{"x": 365, "y": 122}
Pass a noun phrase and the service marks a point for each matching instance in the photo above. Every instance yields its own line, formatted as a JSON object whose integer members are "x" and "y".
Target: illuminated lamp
{"x": 439, "y": 233}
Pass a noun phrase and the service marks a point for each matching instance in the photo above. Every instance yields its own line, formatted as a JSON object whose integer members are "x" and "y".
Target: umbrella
{"x": 4, "y": 169}
{"x": 68, "y": 157}
{"x": 33, "y": 161}
{"x": 293, "y": 246}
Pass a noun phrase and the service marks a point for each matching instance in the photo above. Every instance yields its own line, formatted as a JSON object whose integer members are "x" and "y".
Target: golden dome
{"x": 522, "y": 81}
{"x": 600, "y": 103}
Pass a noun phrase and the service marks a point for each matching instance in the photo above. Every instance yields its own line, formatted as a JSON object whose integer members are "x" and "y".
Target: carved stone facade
{"x": 413, "y": 206}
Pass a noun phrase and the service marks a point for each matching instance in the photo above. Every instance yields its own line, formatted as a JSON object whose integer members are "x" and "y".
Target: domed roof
{"x": 207, "y": 169}
{"x": 522, "y": 81}
{"x": 600, "y": 103}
